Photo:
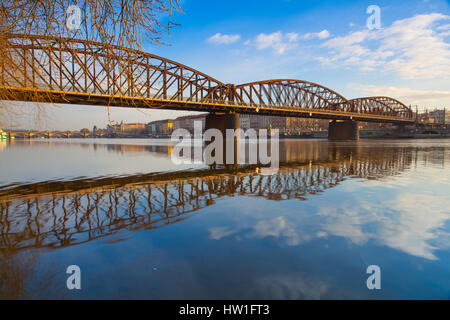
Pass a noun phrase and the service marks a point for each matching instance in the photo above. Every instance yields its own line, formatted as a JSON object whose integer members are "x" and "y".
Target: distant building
{"x": 374, "y": 126}
{"x": 284, "y": 124}
{"x": 257, "y": 122}
{"x": 299, "y": 125}
{"x": 280, "y": 123}
{"x": 440, "y": 116}
{"x": 127, "y": 128}
{"x": 425, "y": 118}
{"x": 160, "y": 127}
{"x": 187, "y": 122}
{"x": 244, "y": 120}
{"x": 3, "y": 135}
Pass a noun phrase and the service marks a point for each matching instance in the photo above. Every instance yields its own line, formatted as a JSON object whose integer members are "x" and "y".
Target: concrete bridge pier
{"x": 401, "y": 130}
{"x": 222, "y": 122}
{"x": 343, "y": 130}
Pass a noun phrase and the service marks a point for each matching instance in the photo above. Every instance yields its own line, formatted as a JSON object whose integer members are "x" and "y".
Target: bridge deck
{"x": 83, "y": 98}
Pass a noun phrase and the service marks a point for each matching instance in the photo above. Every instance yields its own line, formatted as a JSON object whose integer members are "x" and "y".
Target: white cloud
{"x": 220, "y": 232}
{"x": 292, "y": 37}
{"x": 278, "y": 228}
{"x": 414, "y": 48}
{"x": 414, "y": 223}
{"x": 277, "y": 41}
{"x": 444, "y": 27}
{"x": 324, "y": 34}
{"x": 421, "y": 219}
{"x": 290, "y": 286}
{"x": 224, "y": 38}
{"x": 283, "y": 42}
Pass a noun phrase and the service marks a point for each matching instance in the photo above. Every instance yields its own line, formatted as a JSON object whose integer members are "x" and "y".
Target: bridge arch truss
{"x": 61, "y": 70}
{"x": 70, "y": 66}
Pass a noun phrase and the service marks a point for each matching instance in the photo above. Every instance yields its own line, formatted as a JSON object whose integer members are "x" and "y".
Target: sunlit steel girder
{"x": 59, "y": 70}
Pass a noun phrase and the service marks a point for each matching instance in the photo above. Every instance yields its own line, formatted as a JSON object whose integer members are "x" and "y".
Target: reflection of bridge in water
{"x": 58, "y": 213}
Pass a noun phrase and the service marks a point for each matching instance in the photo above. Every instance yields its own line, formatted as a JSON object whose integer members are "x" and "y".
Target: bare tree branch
{"x": 121, "y": 23}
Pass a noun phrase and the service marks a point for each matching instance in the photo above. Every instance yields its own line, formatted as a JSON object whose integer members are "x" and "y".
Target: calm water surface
{"x": 141, "y": 227}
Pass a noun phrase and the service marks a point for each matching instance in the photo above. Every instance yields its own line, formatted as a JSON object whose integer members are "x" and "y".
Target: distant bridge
{"x": 58, "y": 70}
{"x": 50, "y": 134}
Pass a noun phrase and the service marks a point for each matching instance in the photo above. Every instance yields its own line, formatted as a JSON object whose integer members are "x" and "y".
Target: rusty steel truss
{"x": 61, "y": 70}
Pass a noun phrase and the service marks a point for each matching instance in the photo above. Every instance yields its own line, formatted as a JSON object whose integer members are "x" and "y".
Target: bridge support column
{"x": 401, "y": 129}
{"x": 222, "y": 122}
{"x": 343, "y": 130}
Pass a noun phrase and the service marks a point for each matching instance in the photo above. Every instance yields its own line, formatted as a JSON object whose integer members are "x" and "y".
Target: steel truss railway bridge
{"x": 60, "y": 70}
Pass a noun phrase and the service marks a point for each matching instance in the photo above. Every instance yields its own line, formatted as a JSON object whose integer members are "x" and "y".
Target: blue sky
{"x": 326, "y": 42}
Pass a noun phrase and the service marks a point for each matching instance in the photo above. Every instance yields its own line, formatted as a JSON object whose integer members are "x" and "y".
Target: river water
{"x": 141, "y": 227}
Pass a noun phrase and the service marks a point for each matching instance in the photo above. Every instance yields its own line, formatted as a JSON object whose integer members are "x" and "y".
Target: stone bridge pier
{"x": 222, "y": 122}
{"x": 343, "y": 130}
